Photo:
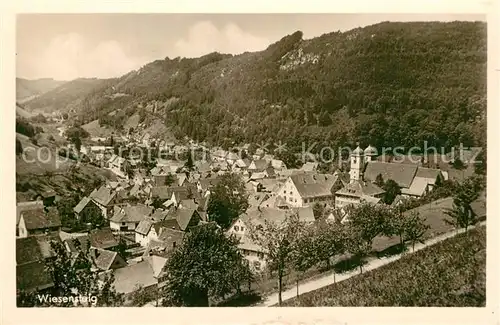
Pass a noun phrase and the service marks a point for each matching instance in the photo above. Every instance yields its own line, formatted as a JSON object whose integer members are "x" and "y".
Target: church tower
{"x": 357, "y": 164}
{"x": 370, "y": 153}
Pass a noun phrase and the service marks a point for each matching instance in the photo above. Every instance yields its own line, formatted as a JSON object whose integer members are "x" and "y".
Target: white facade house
{"x": 253, "y": 253}
{"x": 145, "y": 232}
{"x": 128, "y": 218}
{"x": 105, "y": 198}
{"x": 241, "y": 228}
{"x": 290, "y": 193}
{"x": 306, "y": 189}
{"x": 161, "y": 233}
{"x": 238, "y": 228}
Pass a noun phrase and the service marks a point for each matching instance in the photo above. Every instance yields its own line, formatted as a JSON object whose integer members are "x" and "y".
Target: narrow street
{"x": 318, "y": 283}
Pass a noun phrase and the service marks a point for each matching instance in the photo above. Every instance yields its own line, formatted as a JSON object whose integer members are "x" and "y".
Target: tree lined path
{"x": 372, "y": 264}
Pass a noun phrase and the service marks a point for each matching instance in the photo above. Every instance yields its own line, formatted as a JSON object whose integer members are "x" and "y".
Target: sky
{"x": 69, "y": 46}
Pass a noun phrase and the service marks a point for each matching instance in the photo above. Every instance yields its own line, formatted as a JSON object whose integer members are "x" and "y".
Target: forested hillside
{"x": 28, "y": 89}
{"x": 68, "y": 95}
{"x": 388, "y": 84}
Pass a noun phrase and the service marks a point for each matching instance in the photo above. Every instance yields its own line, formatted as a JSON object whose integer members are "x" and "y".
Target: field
{"x": 434, "y": 216}
{"x": 450, "y": 273}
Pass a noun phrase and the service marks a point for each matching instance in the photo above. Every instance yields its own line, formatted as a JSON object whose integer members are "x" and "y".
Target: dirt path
{"x": 326, "y": 280}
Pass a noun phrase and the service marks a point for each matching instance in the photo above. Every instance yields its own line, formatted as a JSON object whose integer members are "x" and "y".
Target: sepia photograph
{"x": 250, "y": 160}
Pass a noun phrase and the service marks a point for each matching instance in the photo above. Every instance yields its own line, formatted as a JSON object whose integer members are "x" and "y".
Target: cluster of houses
{"x": 300, "y": 190}
{"x": 150, "y": 213}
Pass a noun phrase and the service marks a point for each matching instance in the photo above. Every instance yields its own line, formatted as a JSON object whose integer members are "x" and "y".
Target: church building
{"x": 413, "y": 180}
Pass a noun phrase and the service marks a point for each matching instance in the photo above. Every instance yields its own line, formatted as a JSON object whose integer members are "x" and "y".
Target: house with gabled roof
{"x": 309, "y": 166}
{"x": 143, "y": 232}
{"x": 402, "y": 174}
{"x": 271, "y": 185}
{"x": 137, "y": 191}
{"x": 170, "y": 166}
{"x": 219, "y": 166}
{"x": 205, "y": 185}
{"x": 423, "y": 182}
{"x": 175, "y": 193}
{"x": 278, "y": 164}
{"x": 23, "y": 206}
{"x": 188, "y": 204}
{"x": 241, "y": 228}
{"x": 358, "y": 192}
{"x": 274, "y": 201}
{"x": 259, "y": 175}
{"x": 258, "y": 165}
{"x": 148, "y": 274}
{"x": 177, "y": 221}
{"x": 285, "y": 173}
{"x": 241, "y": 165}
{"x": 232, "y": 157}
{"x": 270, "y": 172}
{"x": 309, "y": 188}
{"x": 38, "y": 221}
{"x": 184, "y": 218}
{"x": 253, "y": 186}
{"x": 76, "y": 242}
{"x": 105, "y": 260}
{"x": 86, "y": 205}
{"x": 219, "y": 154}
{"x": 160, "y": 175}
{"x": 47, "y": 195}
{"x": 165, "y": 243}
{"x": 132, "y": 277}
{"x": 105, "y": 198}
{"x": 180, "y": 193}
{"x": 128, "y": 217}
{"x": 103, "y": 239}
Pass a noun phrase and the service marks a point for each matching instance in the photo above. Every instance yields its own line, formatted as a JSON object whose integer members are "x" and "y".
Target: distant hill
{"x": 67, "y": 96}
{"x": 29, "y": 89}
{"x": 389, "y": 84}
{"x": 21, "y": 111}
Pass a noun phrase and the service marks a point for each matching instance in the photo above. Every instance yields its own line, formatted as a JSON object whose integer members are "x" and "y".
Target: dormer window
{"x": 236, "y": 228}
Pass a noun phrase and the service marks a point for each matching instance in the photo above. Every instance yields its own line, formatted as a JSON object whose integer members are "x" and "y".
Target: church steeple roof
{"x": 370, "y": 151}
{"x": 358, "y": 151}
